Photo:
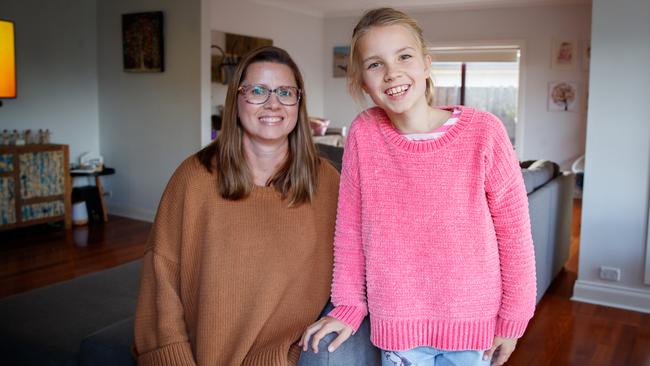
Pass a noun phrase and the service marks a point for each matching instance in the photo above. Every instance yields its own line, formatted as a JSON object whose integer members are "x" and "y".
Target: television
{"x": 7, "y": 60}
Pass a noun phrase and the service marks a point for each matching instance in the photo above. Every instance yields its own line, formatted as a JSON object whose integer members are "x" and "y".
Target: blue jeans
{"x": 356, "y": 350}
{"x": 429, "y": 356}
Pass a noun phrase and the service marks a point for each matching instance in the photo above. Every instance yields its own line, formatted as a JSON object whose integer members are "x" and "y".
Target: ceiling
{"x": 338, "y": 8}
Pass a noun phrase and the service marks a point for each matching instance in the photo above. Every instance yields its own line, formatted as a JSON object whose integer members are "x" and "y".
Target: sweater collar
{"x": 393, "y": 135}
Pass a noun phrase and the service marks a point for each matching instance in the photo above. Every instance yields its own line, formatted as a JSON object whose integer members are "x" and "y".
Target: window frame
{"x": 498, "y": 44}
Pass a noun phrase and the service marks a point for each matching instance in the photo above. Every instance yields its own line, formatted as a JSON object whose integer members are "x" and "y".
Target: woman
{"x": 240, "y": 255}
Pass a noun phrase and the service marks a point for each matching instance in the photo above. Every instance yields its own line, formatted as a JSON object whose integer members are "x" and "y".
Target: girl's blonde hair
{"x": 380, "y": 17}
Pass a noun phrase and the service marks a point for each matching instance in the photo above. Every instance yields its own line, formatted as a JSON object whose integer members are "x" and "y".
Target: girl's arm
{"x": 160, "y": 330}
{"x": 349, "y": 280}
{"x": 508, "y": 204}
{"x": 348, "y": 283}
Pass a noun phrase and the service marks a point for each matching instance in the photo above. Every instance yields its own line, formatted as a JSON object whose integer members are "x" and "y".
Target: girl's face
{"x": 394, "y": 70}
{"x": 270, "y": 121}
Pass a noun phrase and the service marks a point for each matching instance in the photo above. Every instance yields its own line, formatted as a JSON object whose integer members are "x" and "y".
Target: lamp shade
{"x": 7, "y": 60}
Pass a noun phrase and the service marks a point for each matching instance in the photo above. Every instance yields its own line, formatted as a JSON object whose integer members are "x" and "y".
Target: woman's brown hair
{"x": 380, "y": 17}
{"x": 297, "y": 179}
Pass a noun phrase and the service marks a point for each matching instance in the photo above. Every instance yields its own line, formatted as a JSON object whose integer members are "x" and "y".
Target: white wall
{"x": 149, "y": 122}
{"x": 615, "y": 198}
{"x": 56, "y": 57}
{"x": 298, "y": 33}
{"x": 558, "y": 136}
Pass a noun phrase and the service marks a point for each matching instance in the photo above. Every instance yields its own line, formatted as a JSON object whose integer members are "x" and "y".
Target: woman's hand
{"x": 320, "y": 329}
{"x": 501, "y": 350}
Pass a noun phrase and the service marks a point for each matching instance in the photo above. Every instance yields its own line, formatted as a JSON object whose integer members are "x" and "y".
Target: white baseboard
{"x": 131, "y": 212}
{"x": 612, "y": 296}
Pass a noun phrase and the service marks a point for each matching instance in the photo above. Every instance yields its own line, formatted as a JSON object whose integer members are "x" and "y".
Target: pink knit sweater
{"x": 433, "y": 237}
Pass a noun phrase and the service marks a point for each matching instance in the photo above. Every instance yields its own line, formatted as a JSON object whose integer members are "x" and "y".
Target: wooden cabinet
{"x": 34, "y": 185}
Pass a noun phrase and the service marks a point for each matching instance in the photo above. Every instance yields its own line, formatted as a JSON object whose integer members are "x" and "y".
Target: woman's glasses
{"x": 259, "y": 94}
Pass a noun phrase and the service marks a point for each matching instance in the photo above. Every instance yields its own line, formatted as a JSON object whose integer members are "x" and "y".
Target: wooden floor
{"x": 36, "y": 256}
{"x": 564, "y": 332}
{"x": 561, "y": 333}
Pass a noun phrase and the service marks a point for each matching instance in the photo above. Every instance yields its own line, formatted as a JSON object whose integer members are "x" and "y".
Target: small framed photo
{"x": 142, "y": 42}
{"x": 340, "y": 63}
{"x": 563, "y": 97}
{"x": 564, "y": 54}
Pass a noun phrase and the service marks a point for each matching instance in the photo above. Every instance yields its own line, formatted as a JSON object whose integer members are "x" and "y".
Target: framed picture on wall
{"x": 563, "y": 97}
{"x": 340, "y": 62}
{"x": 228, "y": 49}
{"x": 142, "y": 42}
{"x": 564, "y": 54}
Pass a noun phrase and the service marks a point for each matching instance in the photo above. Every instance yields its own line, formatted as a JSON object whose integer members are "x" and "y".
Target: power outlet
{"x": 108, "y": 193}
{"x": 610, "y": 273}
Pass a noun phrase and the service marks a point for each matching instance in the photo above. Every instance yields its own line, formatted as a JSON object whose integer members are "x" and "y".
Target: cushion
{"x": 331, "y": 153}
{"x": 536, "y": 173}
{"x": 110, "y": 346}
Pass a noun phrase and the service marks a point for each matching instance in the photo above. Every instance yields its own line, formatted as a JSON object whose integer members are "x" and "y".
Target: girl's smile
{"x": 397, "y": 91}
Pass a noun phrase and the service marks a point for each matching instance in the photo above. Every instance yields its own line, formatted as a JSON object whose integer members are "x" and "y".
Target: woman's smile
{"x": 271, "y": 120}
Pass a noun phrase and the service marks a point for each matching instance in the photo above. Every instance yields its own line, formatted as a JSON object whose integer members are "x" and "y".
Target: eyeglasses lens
{"x": 258, "y": 94}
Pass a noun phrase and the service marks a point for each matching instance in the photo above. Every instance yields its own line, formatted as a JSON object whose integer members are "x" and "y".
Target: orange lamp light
{"x": 7, "y": 60}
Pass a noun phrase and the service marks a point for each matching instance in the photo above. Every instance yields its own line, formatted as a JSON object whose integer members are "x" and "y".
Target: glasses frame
{"x": 242, "y": 90}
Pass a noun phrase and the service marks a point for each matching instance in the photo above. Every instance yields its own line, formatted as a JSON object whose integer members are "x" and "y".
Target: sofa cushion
{"x": 331, "y": 153}
{"x": 536, "y": 173}
{"x": 45, "y": 326}
{"x": 110, "y": 346}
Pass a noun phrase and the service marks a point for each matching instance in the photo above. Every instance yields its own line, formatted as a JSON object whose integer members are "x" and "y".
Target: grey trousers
{"x": 355, "y": 351}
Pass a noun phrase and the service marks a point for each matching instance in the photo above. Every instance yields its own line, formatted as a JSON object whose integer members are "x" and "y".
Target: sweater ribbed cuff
{"x": 510, "y": 328}
{"x": 350, "y": 315}
{"x": 176, "y": 354}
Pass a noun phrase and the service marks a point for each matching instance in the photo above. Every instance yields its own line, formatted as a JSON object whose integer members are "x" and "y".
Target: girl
{"x": 432, "y": 233}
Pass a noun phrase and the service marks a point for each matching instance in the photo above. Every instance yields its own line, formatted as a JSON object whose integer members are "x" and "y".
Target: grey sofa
{"x": 550, "y": 204}
{"x": 68, "y": 323}
{"x": 89, "y": 320}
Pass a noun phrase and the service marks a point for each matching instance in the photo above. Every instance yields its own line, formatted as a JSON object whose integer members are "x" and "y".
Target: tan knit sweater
{"x": 233, "y": 282}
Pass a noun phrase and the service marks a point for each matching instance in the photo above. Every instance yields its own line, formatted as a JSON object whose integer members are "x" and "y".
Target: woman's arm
{"x": 160, "y": 331}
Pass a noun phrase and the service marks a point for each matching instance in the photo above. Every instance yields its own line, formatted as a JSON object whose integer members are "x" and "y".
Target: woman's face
{"x": 271, "y": 121}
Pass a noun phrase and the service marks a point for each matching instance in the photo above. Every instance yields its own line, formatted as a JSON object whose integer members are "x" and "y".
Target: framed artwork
{"x": 564, "y": 54}
{"x": 340, "y": 63}
{"x": 228, "y": 49}
{"x": 142, "y": 42}
{"x": 563, "y": 97}
{"x": 240, "y": 46}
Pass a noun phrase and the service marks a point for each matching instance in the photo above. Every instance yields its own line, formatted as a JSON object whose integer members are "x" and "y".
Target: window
{"x": 486, "y": 78}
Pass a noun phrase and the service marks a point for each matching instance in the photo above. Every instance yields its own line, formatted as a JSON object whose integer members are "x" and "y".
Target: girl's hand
{"x": 501, "y": 350}
{"x": 320, "y": 329}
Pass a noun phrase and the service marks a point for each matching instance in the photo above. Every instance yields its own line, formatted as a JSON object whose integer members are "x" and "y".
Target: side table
{"x": 98, "y": 186}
